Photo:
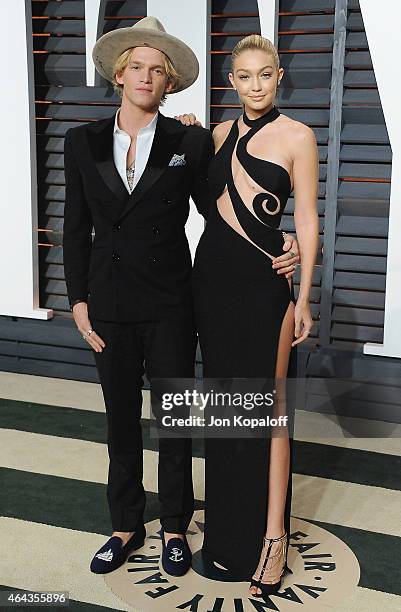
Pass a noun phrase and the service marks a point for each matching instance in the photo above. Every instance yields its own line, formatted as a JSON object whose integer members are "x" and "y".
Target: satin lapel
{"x": 101, "y": 144}
{"x": 165, "y": 143}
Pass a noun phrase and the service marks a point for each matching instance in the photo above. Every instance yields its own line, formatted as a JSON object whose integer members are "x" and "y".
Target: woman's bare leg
{"x": 279, "y": 446}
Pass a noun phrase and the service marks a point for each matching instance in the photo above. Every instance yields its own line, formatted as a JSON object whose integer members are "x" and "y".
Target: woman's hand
{"x": 303, "y": 322}
{"x": 287, "y": 263}
{"x": 188, "y": 119}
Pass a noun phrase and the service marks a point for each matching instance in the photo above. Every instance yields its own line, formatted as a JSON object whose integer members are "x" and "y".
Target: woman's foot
{"x": 267, "y": 577}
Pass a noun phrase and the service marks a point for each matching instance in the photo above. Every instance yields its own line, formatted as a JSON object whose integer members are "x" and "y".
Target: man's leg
{"x": 120, "y": 368}
{"x": 170, "y": 353}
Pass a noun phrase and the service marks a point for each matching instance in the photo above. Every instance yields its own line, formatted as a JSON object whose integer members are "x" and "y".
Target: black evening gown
{"x": 240, "y": 302}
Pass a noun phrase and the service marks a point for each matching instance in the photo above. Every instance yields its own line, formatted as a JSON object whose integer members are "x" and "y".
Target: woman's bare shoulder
{"x": 299, "y": 132}
{"x": 221, "y": 130}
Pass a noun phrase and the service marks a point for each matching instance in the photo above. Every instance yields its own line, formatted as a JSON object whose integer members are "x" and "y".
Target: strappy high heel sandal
{"x": 271, "y": 567}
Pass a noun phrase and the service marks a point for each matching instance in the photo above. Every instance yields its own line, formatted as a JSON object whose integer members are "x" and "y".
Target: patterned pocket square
{"x": 177, "y": 160}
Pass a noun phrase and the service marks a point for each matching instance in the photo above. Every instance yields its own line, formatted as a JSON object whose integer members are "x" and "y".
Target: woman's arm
{"x": 306, "y": 181}
{"x": 219, "y": 133}
{"x": 188, "y": 119}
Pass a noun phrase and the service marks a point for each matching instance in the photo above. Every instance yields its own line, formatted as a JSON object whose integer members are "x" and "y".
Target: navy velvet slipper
{"x": 113, "y": 554}
{"x": 176, "y": 556}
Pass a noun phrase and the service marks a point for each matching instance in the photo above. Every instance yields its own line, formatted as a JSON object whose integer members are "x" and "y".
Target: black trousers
{"x": 162, "y": 349}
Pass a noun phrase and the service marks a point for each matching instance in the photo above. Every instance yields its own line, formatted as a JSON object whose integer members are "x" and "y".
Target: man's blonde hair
{"x": 255, "y": 42}
{"x": 122, "y": 62}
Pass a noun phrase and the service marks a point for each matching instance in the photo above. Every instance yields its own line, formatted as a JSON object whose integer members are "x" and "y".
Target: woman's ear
{"x": 231, "y": 78}
{"x": 280, "y": 75}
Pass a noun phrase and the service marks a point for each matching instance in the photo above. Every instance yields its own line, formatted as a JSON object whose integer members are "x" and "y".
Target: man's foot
{"x": 176, "y": 554}
{"x": 169, "y": 536}
{"x": 115, "y": 551}
{"x": 124, "y": 535}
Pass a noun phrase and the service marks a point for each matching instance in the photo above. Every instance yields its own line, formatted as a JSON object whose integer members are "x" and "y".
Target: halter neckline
{"x": 271, "y": 115}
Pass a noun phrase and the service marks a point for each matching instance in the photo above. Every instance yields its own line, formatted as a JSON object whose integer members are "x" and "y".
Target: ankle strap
{"x": 275, "y": 539}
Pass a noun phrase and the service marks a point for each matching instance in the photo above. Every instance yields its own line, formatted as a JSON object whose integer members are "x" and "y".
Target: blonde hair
{"x": 255, "y": 42}
{"x": 122, "y": 62}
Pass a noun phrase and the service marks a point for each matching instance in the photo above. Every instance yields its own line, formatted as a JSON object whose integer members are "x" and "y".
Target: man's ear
{"x": 169, "y": 87}
{"x": 119, "y": 77}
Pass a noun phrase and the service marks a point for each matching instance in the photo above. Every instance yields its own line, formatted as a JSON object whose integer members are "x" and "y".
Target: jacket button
{"x": 166, "y": 200}
{"x": 152, "y": 259}
{"x": 155, "y": 229}
{"x": 116, "y": 257}
{"x": 117, "y": 226}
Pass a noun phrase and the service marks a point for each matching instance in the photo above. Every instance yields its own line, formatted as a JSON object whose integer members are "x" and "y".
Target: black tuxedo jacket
{"x": 138, "y": 266}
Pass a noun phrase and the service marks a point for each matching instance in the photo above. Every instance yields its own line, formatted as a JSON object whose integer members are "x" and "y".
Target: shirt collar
{"x": 147, "y": 129}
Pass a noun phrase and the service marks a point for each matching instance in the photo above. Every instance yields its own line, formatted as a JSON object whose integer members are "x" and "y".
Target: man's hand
{"x": 80, "y": 313}
{"x": 286, "y": 264}
{"x": 188, "y": 119}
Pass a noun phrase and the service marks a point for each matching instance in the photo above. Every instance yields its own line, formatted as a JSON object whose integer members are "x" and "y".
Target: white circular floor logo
{"x": 325, "y": 572}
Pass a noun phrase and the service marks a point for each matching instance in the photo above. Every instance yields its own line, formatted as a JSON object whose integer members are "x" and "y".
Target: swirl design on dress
{"x": 265, "y": 204}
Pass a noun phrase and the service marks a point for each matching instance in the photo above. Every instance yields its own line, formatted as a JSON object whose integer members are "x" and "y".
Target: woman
{"x": 247, "y": 315}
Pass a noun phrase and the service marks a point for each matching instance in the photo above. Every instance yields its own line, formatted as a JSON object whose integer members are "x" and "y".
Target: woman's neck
{"x": 254, "y": 114}
{"x": 260, "y": 120}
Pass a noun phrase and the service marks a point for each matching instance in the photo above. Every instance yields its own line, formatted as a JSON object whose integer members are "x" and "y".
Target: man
{"x": 130, "y": 177}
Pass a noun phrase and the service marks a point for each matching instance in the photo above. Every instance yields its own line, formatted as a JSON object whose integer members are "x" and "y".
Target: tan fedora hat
{"x": 147, "y": 32}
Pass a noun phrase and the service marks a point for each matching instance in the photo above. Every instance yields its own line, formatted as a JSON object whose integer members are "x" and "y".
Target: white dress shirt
{"x": 122, "y": 143}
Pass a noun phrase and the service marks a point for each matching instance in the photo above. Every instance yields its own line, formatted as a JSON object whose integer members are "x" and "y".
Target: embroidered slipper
{"x": 113, "y": 554}
{"x": 176, "y": 556}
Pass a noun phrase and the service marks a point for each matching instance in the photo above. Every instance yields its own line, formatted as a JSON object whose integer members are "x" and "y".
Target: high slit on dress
{"x": 240, "y": 303}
